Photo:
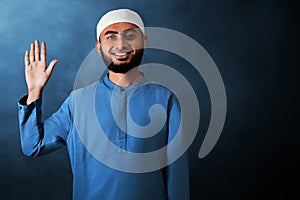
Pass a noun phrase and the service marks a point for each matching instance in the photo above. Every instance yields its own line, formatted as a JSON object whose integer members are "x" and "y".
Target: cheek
{"x": 104, "y": 50}
{"x": 138, "y": 45}
{"x": 105, "y": 46}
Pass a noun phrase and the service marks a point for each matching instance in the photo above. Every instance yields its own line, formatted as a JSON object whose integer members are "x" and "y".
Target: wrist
{"x": 33, "y": 95}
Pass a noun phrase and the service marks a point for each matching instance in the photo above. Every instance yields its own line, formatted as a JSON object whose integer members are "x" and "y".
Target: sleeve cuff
{"x": 22, "y": 103}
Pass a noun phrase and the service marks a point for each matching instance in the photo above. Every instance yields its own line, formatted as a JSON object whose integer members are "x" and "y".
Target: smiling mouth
{"x": 121, "y": 55}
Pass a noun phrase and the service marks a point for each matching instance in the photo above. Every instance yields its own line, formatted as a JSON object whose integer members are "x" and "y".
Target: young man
{"x": 120, "y": 103}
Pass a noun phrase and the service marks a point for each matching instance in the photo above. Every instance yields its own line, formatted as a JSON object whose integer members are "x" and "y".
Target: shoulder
{"x": 87, "y": 89}
{"x": 153, "y": 88}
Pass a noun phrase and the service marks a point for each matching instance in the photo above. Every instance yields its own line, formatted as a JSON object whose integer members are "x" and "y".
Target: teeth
{"x": 120, "y": 54}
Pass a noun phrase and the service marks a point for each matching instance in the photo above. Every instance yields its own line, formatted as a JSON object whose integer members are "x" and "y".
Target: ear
{"x": 98, "y": 47}
{"x": 145, "y": 41}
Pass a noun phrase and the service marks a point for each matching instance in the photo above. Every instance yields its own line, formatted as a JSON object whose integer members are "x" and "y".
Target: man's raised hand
{"x": 36, "y": 71}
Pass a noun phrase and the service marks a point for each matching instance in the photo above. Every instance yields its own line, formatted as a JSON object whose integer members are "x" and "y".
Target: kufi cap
{"x": 117, "y": 16}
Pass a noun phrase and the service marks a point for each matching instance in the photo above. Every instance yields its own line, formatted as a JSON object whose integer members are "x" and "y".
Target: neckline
{"x": 114, "y": 86}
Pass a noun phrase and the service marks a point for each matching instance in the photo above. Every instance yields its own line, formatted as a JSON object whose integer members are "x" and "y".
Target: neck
{"x": 124, "y": 80}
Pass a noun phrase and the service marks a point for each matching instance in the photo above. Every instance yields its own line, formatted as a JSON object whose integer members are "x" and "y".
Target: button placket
{"x": 122, "y": 119}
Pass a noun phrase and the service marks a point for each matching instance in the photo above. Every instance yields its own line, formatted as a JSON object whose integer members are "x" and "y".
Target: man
{"x": 123, "y": 96}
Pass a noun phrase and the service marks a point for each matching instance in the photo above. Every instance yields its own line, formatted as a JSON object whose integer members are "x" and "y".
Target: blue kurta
{"x": 93, "y": 179}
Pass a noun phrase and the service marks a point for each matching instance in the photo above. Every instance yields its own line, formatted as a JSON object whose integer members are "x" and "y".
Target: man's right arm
{"x": 38, "y": 137}
{"x": 35, "y": 139}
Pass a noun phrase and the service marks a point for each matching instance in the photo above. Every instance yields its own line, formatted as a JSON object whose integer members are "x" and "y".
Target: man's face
{"x": 121, "y": 46}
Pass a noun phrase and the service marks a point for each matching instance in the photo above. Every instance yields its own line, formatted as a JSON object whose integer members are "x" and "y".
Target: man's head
{"x": 121, "y": 40}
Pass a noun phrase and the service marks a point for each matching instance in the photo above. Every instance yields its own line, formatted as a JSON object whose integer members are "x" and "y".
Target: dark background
{"x": 255, "y": 46}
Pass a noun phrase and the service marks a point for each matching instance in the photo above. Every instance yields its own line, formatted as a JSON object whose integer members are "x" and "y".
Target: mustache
{"x": 122, "y": 50}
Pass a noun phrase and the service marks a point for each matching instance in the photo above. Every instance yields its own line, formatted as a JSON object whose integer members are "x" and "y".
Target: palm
{"x": 36, "y": 71}
{"x": 36, "y": 76}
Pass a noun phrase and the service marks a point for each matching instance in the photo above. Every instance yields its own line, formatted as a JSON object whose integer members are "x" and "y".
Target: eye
{"x": 111, "y": 37}
{"x": 130, "y": 36}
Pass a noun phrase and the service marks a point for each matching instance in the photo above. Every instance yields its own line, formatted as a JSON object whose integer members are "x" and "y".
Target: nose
{"x": 121, "y": 43}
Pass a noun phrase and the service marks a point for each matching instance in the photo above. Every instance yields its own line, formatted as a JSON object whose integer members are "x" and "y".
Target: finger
{"x": 26, "y": 59}
{"x": 37, "y": 50}
{"x": 43, "y": 53}
{"x": 31, "y": 54}
{"x": 51, "y": 66}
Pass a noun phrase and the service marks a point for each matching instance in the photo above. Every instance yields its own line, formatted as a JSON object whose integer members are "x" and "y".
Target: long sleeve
{"x": 38, "y": 137}
{"x": 178, "y": 179}
{"x": 177, "y": 173}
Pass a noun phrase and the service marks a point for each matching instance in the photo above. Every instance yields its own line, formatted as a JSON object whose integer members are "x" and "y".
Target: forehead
{"x": 119, "y": 27}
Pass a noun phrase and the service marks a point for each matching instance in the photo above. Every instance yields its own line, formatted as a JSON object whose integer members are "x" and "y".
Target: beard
{"x": 123, "y": 68}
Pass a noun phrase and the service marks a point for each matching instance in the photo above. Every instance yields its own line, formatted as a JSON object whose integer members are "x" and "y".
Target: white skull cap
{"x": 117, "y": 16}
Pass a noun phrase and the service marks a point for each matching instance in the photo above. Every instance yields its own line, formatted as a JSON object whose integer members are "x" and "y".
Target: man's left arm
{"x": 177, "y": 173}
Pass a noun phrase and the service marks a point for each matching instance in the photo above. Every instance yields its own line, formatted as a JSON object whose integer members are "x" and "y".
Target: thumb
{"x": 51, "y": 66}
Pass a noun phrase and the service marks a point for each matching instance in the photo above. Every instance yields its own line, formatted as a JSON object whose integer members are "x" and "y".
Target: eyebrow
{"x": 110, "y": 32}
{"x": 116, "y": 32}
{"x": 130, "y": 30}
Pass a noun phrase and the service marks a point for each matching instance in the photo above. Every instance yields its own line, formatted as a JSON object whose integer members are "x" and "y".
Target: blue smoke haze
{"x": 250, "y": 41}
